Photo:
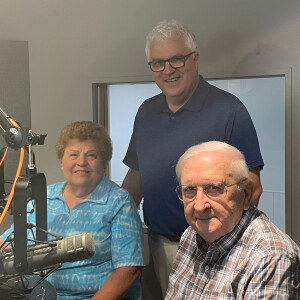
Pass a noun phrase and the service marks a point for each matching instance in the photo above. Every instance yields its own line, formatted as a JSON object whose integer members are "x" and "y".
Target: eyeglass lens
{"x": 175, "y": 62}
{"x": 211, "y": 190}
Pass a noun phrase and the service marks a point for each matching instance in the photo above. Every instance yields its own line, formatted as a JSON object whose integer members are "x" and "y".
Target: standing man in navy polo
{"x": 189, "y": 111}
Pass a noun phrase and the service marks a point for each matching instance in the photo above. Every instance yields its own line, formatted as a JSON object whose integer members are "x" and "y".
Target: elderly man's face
{"x": 213, "y": 219}
{"x": 177, "y": 84}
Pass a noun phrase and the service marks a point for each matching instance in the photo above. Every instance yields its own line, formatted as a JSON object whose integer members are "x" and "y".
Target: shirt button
{"x": 172, "y": 118}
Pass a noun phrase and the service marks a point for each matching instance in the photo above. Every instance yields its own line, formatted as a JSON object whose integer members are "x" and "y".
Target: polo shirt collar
{"x": 198, "y": 98}
{"x": 193, "y": 104}
{"x": 102, "y": 188}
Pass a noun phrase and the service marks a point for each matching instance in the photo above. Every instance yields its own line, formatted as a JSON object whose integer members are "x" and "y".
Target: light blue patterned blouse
{"x": 109, "y": 214}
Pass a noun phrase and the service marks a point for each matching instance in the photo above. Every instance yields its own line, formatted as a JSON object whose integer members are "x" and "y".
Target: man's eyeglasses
{"x": 176, "y": 62}
{"x": 188, "y": 193}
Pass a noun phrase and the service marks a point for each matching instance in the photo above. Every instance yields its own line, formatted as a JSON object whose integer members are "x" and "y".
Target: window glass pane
{"x": 265, "y": 101}
{"x": 124, "y": 101}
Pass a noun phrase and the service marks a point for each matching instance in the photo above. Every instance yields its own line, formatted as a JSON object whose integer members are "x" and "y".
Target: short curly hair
{"x": 85, "y": 130}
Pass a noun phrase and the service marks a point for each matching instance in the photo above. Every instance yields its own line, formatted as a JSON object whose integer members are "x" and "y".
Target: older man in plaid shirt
{"x": 231, "y": 250}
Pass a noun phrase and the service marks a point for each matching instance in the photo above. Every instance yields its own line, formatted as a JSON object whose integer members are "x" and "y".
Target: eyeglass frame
{"x": 184, "y": 57}
{"x": 202, "y": 187}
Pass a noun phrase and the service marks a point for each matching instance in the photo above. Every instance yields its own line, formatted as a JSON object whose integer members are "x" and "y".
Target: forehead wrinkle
{"x": 209, "y": 166}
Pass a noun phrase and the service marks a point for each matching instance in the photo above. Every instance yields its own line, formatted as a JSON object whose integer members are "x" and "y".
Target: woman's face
{"x": 82, "y": 164}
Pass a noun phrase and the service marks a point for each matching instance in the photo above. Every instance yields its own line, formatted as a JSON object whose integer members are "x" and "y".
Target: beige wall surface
{"x": 73, "y": 43}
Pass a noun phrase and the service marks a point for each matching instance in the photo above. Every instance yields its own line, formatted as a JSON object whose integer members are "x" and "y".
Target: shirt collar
{"x": 193, "y": 104}
{"x": 221, "y": 247}
{"x": 101, "y": 189}
{"x": 198, "y": 98}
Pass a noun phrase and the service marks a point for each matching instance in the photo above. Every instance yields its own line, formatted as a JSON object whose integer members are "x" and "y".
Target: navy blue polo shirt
{"x": 160, "y": 137}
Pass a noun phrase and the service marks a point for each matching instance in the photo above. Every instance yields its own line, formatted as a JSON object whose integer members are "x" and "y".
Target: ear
{"x": 196, "y": 56}
{"x": 248, "y": 193}
{"x": 196, "y": 63}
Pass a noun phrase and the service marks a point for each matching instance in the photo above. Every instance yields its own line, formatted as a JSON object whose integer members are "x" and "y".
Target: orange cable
{"x": 13, "y": 122}
{"x": 14, "y": 184}
{"x": 1, "y": 162}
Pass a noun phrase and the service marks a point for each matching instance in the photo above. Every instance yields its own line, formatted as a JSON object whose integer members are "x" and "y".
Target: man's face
{"x": 212, "y": 219}
{"x": 177, "y": 84}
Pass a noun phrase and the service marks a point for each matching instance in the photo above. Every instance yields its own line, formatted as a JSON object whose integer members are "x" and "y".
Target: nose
{"x": 168, "y": 68}
{"x": 81, "y": 161}
{"x": 201, "y": 202}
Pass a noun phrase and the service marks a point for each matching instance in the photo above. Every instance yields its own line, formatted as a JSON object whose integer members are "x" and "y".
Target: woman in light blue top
{"x": 88, "y": 202}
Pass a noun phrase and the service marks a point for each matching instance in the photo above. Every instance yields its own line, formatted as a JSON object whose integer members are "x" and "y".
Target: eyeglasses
{"x": 188, "y": 193}
{"x": 158, "y": 65}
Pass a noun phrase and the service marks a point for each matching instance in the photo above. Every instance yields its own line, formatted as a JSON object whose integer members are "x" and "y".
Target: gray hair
{"x": 165, "y": 29}
{"x": 85, "y": 130}
{"x": 239, "y": 167}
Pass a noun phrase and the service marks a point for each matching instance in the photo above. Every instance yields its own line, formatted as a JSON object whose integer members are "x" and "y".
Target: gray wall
{"x": 73, "y": 43}
{"x": 15, "y": 101}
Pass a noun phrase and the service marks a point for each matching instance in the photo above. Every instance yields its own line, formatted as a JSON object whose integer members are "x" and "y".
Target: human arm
{"x": 132, "y": 183}
{"x": 243, "y": 136}
{"x": 1, "y": 241}
{"x": 122, "y": 278}
{"x": 126, "y": 248}
{"x": 257, "y": 187}
{"x": 4, "y": 236}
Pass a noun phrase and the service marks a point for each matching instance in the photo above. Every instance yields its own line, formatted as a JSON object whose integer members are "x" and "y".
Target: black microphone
{"x": 70, "y": 249}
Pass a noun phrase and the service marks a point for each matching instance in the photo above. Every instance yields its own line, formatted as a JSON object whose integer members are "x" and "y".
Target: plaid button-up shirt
{"x": 255, "y": 261}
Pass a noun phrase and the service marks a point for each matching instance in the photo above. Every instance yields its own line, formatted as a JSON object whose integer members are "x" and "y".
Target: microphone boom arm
{"x": 15, "y": 136}
{"x": 33, "y": 184}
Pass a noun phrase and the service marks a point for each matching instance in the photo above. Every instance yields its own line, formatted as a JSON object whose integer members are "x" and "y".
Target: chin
{"x": 204, "y": 228}
{"x": 172, "y": 92}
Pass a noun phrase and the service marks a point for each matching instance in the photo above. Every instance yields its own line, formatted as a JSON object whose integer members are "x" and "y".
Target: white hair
{"x": 239, "y": 167}
{"x": 165, "y": 29}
